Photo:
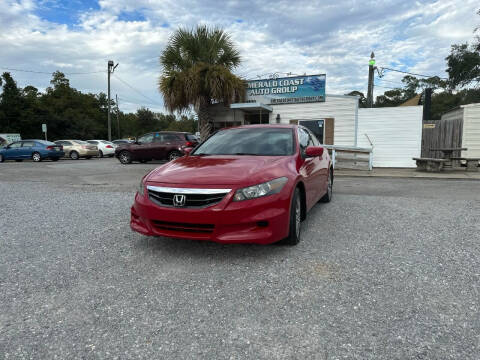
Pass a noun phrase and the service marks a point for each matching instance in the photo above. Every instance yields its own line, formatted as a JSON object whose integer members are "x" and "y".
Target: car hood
{"x": 221, "y": 170}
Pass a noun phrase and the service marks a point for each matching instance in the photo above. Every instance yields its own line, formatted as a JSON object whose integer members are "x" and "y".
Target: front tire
{"x": 295, "y": 220}
{"x": 36, "y": 157}
{"x": 100, "y": 154}
{"x": 74, "y": 155}
{"x": 125, "y": 157}
{"x": 328, "y": 195}
{"x": 174, "y": 155}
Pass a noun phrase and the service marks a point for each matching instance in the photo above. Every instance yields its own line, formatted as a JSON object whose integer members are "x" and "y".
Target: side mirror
{"x": 187, "y": 150}
{"x": 313, "y": 151}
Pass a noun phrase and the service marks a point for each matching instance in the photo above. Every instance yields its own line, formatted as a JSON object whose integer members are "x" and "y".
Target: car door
{"x": 143, "y": 148}
{"x": 310, "y": 169}
{"x": 323, "y": 166}
{"x": 26, "y": 151}
{"x": 170, "y": 143}
{"x": 12, "y": 151}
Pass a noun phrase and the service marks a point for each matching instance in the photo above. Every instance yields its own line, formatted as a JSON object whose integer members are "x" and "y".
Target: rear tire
{"x": 125, "y": 157}
{"x": 174, "y": 155}
{"x": 74, "y": 155}
{"x": 36, "y": 157}
{"x": 328, "y": 196}
{"x": 100, "y": 154}
{"x": 295, "y": 220}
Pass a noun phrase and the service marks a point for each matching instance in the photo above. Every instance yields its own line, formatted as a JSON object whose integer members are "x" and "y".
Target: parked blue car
{"x": 37, "y": 150}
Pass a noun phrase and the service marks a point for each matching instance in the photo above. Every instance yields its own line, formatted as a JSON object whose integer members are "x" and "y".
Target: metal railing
{"x": 351, "y": 157}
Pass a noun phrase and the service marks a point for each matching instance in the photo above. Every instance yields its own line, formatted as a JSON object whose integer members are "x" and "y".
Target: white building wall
{"x": 453, "y": 115}
{"x": 343, "y": 108}
{"x": 471, "y": 130}
{"x": 396, "y": 134}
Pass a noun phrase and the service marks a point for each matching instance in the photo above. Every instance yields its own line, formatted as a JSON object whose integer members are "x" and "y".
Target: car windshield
{"x": 260, "y": 141}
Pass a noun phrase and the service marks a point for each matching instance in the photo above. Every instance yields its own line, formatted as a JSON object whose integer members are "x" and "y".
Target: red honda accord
{"x": 249, "y": 184}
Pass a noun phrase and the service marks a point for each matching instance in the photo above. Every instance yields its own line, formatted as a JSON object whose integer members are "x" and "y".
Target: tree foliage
{"x": 70, "y": 113}
{"x": 463, "y": 65}
{"x": 197, "y": 71}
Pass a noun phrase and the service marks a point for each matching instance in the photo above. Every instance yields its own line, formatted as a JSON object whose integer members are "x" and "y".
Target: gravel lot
{"x": 389, "y": 270}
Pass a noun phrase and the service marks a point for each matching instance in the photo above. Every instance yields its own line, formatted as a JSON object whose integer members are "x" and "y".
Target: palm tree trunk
{"x": 205, "y": 122}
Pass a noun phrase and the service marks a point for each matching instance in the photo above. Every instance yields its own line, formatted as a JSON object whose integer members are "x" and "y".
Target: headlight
{"x": 141, "y": 188}
{"x": 256, "y": 191}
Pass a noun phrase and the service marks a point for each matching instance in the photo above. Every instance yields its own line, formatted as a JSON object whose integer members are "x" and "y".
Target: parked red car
{"x": 249, "y": 184}
{"x": 162, "y": 145}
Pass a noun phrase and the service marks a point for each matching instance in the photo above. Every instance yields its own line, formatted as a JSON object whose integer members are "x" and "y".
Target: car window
{"x": 314, "y": 138}
{"x": 303, "y": 138}
{"x": 267, "y": 141}
{"x": 15, "y": 145}
{"x": 170, "y": 137}
{"x": 81, "y": 142}
{"x": 190, "y": 137}
{"x": 28, "y": 144}
{"x": 92, "y": 142}
{"x": 146, "y": 139}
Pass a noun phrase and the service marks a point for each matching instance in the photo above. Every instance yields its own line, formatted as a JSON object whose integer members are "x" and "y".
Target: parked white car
{"x": 105, "y": 148}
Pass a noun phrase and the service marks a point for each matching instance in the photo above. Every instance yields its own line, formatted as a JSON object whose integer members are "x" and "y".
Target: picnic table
{"x": 448, "y": 155}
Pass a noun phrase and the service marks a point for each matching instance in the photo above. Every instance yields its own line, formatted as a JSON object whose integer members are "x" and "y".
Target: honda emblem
{"x": 179, "y": 200}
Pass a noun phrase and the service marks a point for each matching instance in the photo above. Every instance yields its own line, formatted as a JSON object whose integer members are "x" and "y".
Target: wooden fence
{"x": 441, "y": 134}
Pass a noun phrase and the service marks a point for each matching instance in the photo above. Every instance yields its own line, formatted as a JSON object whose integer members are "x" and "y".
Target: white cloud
{"x": 282, "y": 36}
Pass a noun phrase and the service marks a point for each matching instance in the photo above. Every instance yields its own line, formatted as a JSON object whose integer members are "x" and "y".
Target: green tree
{"x": 11, "y": 104}
{"x": 362, "y": 101}
{"x": 463, "y": 66}
{"x": 197, "y": 71}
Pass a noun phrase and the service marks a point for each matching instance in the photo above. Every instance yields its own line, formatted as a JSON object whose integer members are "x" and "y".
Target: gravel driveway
{"x": 390, "y": 269}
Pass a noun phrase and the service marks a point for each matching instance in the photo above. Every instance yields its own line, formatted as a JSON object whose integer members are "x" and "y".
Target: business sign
{"x": 288, "y": 90}
{"x": 44, "y": 127}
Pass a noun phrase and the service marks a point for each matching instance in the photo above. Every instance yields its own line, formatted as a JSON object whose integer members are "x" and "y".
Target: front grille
{"x": 194, "y": 198}
{"x": 183, "y": 227}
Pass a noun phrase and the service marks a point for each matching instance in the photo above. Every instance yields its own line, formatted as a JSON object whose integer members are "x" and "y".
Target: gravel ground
{"x": 390, "y": 269}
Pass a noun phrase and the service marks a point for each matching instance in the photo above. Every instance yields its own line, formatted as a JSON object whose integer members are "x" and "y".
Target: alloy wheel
{"x": 36, "y": 157}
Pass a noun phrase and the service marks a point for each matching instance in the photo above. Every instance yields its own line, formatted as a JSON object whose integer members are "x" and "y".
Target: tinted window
{"x": 249, "y": 141}
{"x": 170, "y": 137}
{"x": 15, "y": 145}
{"x": 146, "y": 139}
{"x": 191, "y": 137}
{"x": 28, "y": 144}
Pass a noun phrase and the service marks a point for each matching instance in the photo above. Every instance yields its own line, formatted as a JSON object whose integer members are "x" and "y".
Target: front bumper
{"x": 262, "y": 221}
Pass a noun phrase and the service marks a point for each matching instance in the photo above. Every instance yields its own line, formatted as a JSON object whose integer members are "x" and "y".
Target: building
{"x": 394, "y": 133}
{"x": 469, "y": 117}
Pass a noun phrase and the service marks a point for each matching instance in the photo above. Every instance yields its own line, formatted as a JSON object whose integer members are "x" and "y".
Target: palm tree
{"x": 197, "y": 71}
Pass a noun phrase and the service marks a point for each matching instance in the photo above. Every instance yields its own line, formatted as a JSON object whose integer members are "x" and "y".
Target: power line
{"x": 134, "y": 89}
{"x": 50, "y": 73}
{"x": 409, "y": 73}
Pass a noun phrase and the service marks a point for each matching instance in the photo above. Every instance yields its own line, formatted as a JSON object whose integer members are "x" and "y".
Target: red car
{"x": 161, "y": 145}
{"x": 249, "y": 184}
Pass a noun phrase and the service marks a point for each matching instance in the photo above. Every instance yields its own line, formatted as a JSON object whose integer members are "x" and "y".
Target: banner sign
{"x": 289, "y": 90}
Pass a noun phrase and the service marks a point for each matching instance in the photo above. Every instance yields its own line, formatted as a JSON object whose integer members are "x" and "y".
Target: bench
{"x": 472, "y": 163}
{"x": 430, "y": 164}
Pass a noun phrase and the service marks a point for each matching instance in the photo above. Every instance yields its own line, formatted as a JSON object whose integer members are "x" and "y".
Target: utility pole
{"x": 110, "y": 69}
{"x": 371, "y": 68}
{"x": 118, "y": 121}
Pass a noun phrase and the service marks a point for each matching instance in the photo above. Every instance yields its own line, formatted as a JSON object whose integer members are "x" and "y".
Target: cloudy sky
{"x": 297, "y": 36}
